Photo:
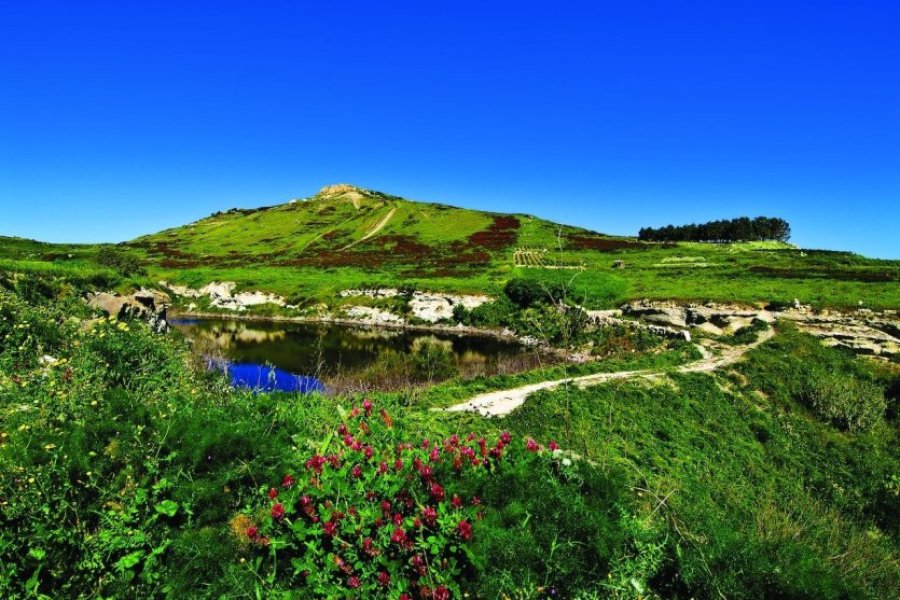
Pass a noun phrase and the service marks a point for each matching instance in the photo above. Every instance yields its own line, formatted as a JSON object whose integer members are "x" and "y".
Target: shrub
{"x": 433, "y": 362}
{"x": 849, "y": 403}
{"x": 120, "y": 260}
{"x": 372, "y": 516}
{"x": 530, "y": 292}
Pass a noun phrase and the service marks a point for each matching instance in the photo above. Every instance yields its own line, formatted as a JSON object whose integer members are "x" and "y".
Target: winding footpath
{"x": 503, "y": 402}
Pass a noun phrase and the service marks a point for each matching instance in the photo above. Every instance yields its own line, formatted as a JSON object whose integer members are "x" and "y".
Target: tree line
{"x": 742, "y": 229}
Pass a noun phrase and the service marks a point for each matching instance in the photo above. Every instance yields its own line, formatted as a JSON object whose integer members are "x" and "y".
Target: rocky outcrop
{"x": 426, "y": 306}
{"x": 147, "y": 305}
{"x": 373, "y": 316}
{"x": 438, "y": 307}
{"x": 862, "y": 331}
{"x": 221, "y": 294}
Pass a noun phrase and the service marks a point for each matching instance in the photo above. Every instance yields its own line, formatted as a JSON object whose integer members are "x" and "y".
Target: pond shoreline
{"x": 463, "y": 330}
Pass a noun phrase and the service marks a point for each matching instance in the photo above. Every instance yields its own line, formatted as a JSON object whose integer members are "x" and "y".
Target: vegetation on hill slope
{"x": 129, "y": 473}
{"x": 346, "y": 237}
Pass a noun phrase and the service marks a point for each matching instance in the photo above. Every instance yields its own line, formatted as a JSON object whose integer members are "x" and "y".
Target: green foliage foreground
{"x": 125, "y": 472}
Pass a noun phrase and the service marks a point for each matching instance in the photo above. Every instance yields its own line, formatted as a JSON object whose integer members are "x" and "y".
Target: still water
{"x": 252, "y": 348}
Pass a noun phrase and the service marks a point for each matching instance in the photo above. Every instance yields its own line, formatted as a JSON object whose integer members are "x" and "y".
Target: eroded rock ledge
{"x": 863, "y": 331}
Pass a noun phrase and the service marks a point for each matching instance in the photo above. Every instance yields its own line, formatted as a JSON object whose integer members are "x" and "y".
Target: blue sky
{"x": 122, "y": 118}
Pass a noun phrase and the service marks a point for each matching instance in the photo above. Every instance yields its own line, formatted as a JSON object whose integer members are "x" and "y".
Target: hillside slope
{"x": 346, "y": 237}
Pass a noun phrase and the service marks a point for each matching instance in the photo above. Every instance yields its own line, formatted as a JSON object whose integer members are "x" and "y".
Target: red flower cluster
{"x": 377, "y": 497}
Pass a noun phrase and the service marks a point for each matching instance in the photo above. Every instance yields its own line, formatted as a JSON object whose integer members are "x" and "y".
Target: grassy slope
{"x": 722, "y": 485}
{"x": 309, "y": 250}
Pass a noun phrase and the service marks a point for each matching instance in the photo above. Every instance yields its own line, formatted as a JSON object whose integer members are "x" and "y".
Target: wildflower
{"x": 532, "y": 446}
{"x": 404, "y": 596}
{"x": 273, "y": 493}
{"x": 356, "y": 472}
{"x": 429, "y": 514}
{"x": 385, "y": 507}
{"x": 353, "y": 582}
{"x": 505, "y": 437}
{"x": 441, "y": 593}
{"x": 437, "y": 491}
{"x": 435, "y": 454}
{"x": 330, "y": 528}
{"x": 348, "y": 439}
{"x": 368, "y": 452}
{"x": 398, "y": 465}
{"x": 288, "y": 481}
{"x": 457, "y": 501}
{"x": 368, "y": 547}
{"x": 399, "y": 536}
{"x": 464, "y": 529}
{"x": 252, "y": 532}
{"x": 426, "y": 444}
{"x": 315, "y": 463}
{"x": 453, "y": 440}
{"x": 553, "y": 446}
{"x": 278, "y": 510}
{"x": 398, "y": 519}
{"x": 382, "y": 468}
{"x": 384, "y": 579}
{"x": 367, "y": 406}
{"x": 388, "y": 421}
{"x": 342, "y": 429}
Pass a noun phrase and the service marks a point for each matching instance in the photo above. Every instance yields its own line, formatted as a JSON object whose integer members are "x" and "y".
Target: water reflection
{"x": 316, "y": 349}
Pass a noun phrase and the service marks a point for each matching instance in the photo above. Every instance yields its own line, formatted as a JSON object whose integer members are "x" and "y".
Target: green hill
{"x": 346, "y": 237}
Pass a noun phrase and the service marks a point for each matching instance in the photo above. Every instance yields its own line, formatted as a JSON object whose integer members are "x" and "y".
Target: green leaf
{"x": 167, "y": 507}
{"x": 37, "y": 553}
{"x": 129, "y": 560}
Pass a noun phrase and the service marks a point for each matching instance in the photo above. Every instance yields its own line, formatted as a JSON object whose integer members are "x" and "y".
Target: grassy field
{"x": 131, "y": 472}
{"x": 347, "y": 237}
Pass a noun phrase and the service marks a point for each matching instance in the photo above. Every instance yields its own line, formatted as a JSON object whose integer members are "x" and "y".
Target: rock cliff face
{"x": 147, "y": 305}
{"x": 221, "y": 295}
{"x": 862, "y": 331}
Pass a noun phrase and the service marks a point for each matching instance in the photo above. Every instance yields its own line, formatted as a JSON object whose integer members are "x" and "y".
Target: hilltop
{"x": 346, "y": 237}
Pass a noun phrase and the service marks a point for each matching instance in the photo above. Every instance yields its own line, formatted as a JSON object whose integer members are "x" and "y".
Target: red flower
{"x": 368, "y": 452}
{"x": 398, "y": 464}
{"x": 356, "y": 472}
{"x": 315, "y": 463}
{"x": 367, "y": 406}
{"x": 388, "y": 421}
{"x": 457, "y": 501}
{"x": 342, "y": 429}
{"x": 553, "y": 446}
{"x": 382, "y": 468}
{"x": 288, "y": 481}
{"x": 464, "y": 529}
{"x": 252, "y": 532}
{"x": 441, "y": 593}
{"x": 532, "y": 446}
{"x": 273, "y": 493}
{"x": 353, "y": 582}
{"x": 404, "y": 596}
{"x": 437, "y": 491}
{"x": 429, "y": 514}
{"x": 435, "y": 454}
{"x": 399, "y": 536}
{"x": 278, "y": 510}
{"x": 426, "y": 443}
{"x": 398, "y": 519}
{"x": 505, "y": 437}
{"x": 384, "y": 579}
{"x": 385, "y": 507}
{"x": 330, "y": 528}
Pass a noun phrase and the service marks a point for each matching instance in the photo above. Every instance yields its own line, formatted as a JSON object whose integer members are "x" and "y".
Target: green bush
{"x": 526, "y": 293}
{"x": 433, "y": 362}
{"x": 849, "y": 403}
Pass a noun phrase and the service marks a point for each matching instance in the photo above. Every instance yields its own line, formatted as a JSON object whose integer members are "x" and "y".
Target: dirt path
{"x": 503, "y": 402}
{"x": 378, "y": 227}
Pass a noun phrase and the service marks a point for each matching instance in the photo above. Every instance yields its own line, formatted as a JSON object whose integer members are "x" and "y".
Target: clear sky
{"x": 122, "y": 118}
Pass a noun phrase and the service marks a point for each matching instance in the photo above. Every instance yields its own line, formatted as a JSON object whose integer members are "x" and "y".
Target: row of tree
{"x": 742, "y": 229}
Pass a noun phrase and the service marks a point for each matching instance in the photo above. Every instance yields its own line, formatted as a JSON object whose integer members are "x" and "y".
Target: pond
{"x": 337, "y": 355}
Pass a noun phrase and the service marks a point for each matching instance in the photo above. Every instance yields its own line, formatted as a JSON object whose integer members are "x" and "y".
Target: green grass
{"x": 310, "y": 250}
{"x": 125, "y": 468}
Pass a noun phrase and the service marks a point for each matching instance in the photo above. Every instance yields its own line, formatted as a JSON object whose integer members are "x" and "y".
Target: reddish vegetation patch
{"x": 603, "y": 244}
{"x": 501, "y": 234}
